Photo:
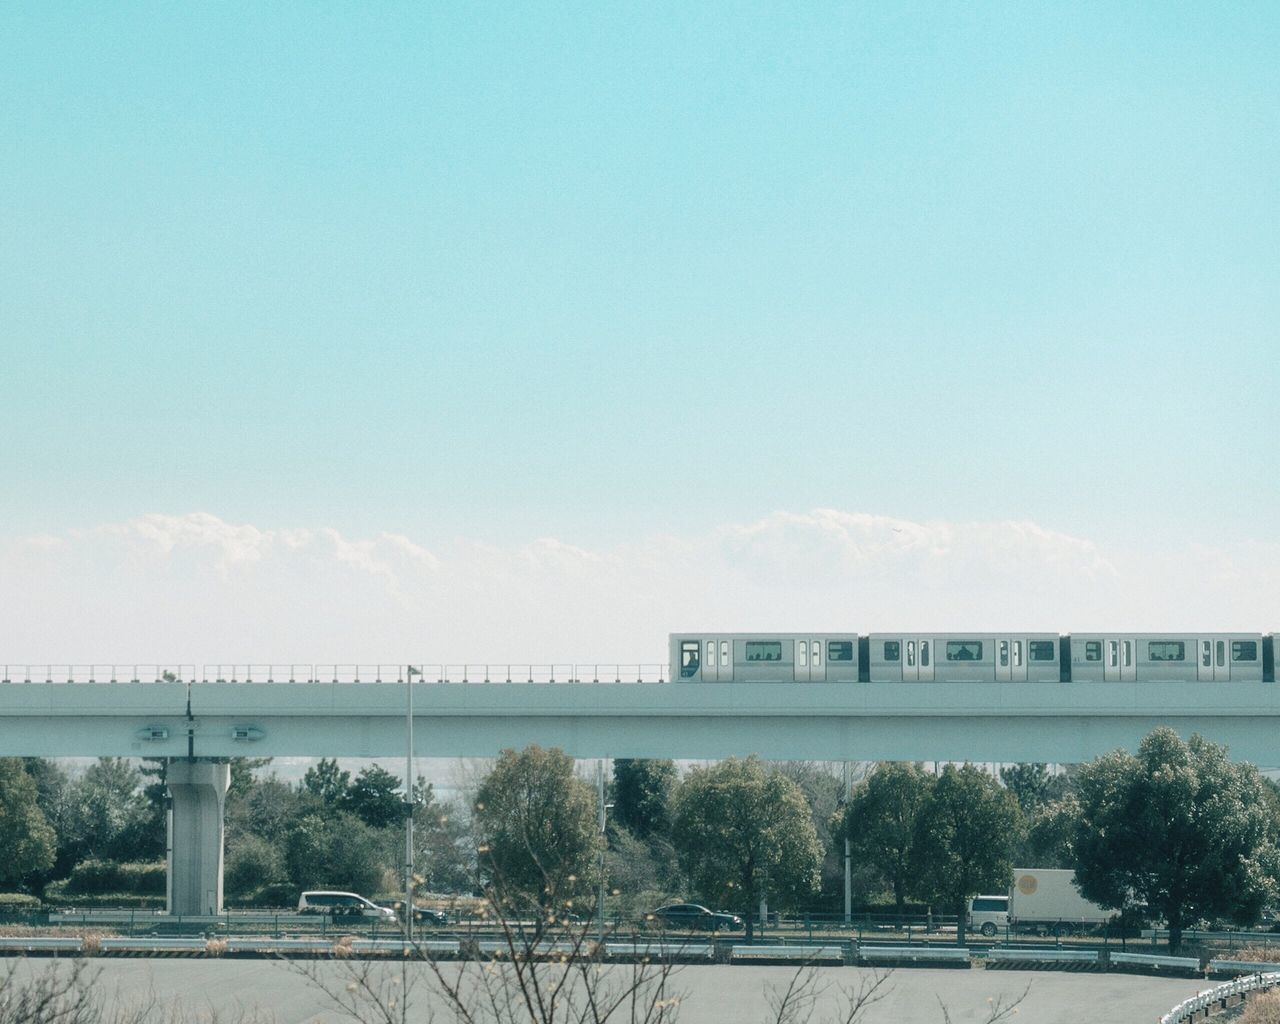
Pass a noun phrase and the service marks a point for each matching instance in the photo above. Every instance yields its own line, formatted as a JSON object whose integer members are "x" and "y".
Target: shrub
{"x": 18, "y": 903}
{"x": 1262, "y": 1009}
{"x": 56, "y": 895}
{"x": 93, "y": 877}
{"x": 252, "y": 864}
{"x": 275, "y": 896}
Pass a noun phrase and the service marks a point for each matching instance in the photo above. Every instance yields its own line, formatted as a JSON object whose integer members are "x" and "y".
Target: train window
{"x": 724, "y": 653}
{"x": 964, "y": 650}
{"x": 1167, "y": 650}
{"x": 1221, "y": 650}
{"x": 892, "y": 650}
{"x": 1092, "y": 650}
{"x": 1004, "y": 652}
{"x": 842, "y": 650}
{"x": 689, "y": 659}
{"x": 1017, "y": 653}
{"x": 924, "y": 653}
{"x": 1244, "y": 650}
{"x": 1204, "y": 653}
{"x": 1128, "y": 653}
{"x": 816, "y": 656}
{"x": 1042, "y": 650}
{"x": 802, "y": 650}
{"x": 711, "y": 653}
{"x": 1112, "y": 649}
{"x": 764, "y": 650}
{"x": 911, "y": 652}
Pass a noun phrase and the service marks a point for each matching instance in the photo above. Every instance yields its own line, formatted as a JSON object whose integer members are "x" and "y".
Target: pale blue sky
{"x": 598, "y": 271}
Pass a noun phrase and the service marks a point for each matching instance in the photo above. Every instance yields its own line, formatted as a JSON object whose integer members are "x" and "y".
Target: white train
{"x": 972, "y": 657}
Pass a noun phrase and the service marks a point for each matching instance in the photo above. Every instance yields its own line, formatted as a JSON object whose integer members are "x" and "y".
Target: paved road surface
{"x": 272, "y": 991}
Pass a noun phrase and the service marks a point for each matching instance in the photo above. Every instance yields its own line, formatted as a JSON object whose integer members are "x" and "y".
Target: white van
{"x": 989, "y": 914}
{"x": 342, "y": 904}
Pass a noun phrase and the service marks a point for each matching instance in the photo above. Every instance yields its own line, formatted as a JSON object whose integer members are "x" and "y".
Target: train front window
{"x": 1244, "y": 650}
{"x": 964, "y": 650}
{"x": 1041, "y": 650}
{"x": 764, "y": 650}
{"x": 892, "y": 650}
{"x": 840, "y": 650}
{"x": 689, "y": 660}
{"x": 1167, "y": 650}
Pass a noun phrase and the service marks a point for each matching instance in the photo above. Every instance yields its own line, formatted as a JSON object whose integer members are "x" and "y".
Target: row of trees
{"x": 1177, "y": 832}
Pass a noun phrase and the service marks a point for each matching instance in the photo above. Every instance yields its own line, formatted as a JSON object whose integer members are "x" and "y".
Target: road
{"x": 238, "y": 990}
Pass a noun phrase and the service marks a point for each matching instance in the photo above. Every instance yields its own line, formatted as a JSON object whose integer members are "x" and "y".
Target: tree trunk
{"x": 962, "y": 905}
{"x": 1175, "y": 931}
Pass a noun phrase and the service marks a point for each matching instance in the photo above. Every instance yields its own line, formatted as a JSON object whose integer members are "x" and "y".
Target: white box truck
{"x": 1044, "y": 901}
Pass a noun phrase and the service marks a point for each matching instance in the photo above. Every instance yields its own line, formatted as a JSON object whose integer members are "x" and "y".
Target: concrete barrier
{"x": 1223, "y": 966}
{"x": 41, "y": 943}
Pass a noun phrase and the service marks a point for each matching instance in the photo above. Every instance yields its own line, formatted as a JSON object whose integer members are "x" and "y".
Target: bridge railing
{"x": 153, "y": 673}
{"x": 558, "y": 672}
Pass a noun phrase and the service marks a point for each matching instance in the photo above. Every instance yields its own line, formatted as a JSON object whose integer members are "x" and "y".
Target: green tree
{"x": 375, "y": 797}
{"x": 327, "y": 782}
{"x": 242, "y": 773}
{"x": 252, "y": 862}
{"x": 536, "y": 827}
{"x": 642, "y": 791}
{"x": 880, "y": 824}
{"x": 110, "y": 817}
{"x": 335, "y": 851}
{"x": 741, "y": 832}
{"x": 27, "y": 843}
{"x": 1049, "y": 835}
{"x": 441, "y": 853}
{"x": 965, "y": 834}
{"x": 1029, "y": 783}
{"x": 1179, "y": 829}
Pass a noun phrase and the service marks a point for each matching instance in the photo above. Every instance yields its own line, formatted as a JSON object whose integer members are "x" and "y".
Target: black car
{"x": 693, "y": 917}
{"x": 421, "y": 915}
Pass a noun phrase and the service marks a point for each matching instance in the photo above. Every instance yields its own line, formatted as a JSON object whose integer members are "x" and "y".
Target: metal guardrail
{"x": 1029, "y": 955}
{"x": 1179, "y": 963}
{"x": 42, "y": 943}
{"x": 913, "y": 953}
{"x": 185, "y": 943}
{"x": 1225, "y": 966}
{"x": 1200, "y": 1002}
{"x": 660, "y": 950}
{"x": 801, "y": 954}
{"x": 462, "y": 672}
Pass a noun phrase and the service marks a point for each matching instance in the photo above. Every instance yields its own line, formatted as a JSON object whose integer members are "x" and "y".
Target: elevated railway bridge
{"x": 199, "y": 717}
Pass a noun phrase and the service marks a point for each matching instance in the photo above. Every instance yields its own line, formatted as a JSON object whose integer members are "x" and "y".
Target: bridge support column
{"x": 198, "y": 790}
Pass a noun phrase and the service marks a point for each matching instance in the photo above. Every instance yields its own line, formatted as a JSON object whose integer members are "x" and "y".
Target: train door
{"x": 817, "y": 664}
{"x": 724, "y": 666}
{"x": 917, "y": 659}
{"x": 800, "y": 649}
{"x": 1118, "y": 660}
{"x": 1011, "y": 660}
{"x": 1212, "y": 661}
{"x": 709, "y": 662}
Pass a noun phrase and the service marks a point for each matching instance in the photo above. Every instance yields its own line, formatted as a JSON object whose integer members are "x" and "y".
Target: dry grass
{"x": 1262, "y": 954}
{"x": 23, "y": 930}
{"x": 1262, "y": 1009}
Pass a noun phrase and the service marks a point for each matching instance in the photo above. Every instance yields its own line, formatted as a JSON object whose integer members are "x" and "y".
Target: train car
{"x": 964, "y": 657}
{"x": 764, "y": 657}
{"x": 1166, "y": 657}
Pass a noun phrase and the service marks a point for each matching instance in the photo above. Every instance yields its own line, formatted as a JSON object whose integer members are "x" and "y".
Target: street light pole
{"x": 604, "y": 845}
{"x": 410, "y": 672}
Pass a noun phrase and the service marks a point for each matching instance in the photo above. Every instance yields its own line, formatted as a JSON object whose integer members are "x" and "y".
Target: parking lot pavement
{"x": 232, "y": 989}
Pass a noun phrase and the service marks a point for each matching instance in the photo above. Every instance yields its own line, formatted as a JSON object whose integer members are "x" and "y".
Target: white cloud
{"x": 197, "y": 588}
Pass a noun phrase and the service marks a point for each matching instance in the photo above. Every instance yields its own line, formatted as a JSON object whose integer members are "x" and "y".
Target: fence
{"x": 557, "y": 672}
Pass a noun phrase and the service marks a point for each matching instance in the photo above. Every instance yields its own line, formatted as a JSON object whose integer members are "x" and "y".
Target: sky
{"x": 528, "y": 332}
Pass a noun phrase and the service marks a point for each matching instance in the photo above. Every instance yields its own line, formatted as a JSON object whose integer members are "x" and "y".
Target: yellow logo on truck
{"x": 1027, "y": 884}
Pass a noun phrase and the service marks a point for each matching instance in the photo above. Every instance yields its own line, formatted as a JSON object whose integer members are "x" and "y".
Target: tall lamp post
{"x": 410, "y": 672}
{"x": 604, "y": 846}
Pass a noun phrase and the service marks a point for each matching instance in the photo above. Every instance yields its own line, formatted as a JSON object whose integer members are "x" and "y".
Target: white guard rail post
{"x": 1188, "y": 1008}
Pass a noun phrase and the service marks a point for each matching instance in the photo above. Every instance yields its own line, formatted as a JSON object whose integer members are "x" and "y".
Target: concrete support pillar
{"x": 198, "y": 790}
